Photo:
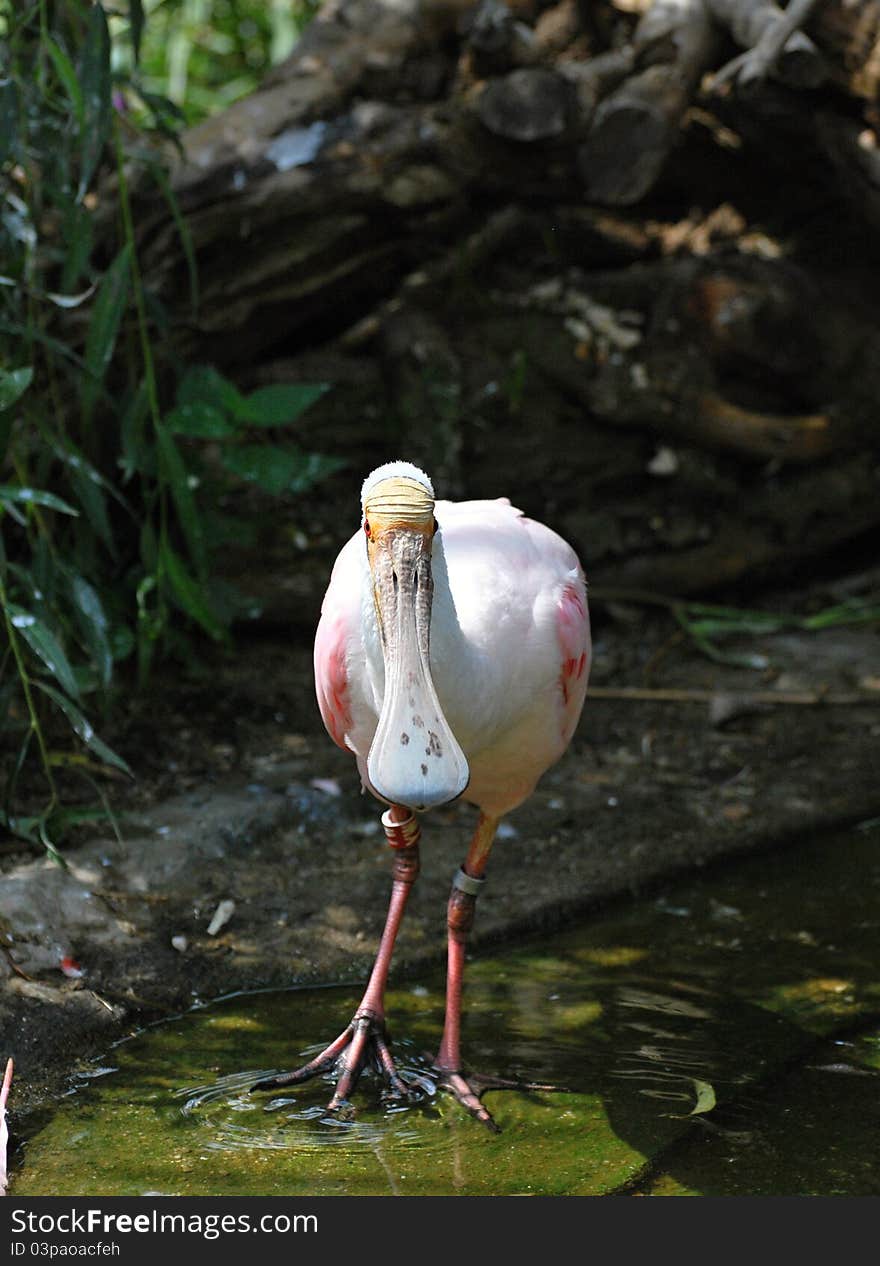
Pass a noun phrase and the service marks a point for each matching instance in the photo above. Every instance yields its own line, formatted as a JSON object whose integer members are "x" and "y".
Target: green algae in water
{"x": 139, "y": 1128}
{"x": 695, "y": 1033}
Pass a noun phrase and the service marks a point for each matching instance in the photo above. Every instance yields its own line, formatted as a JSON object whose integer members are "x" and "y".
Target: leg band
{"x": 467, "y": 883}
{"x": 462, "y": 904}
{"x": 401, "y": 834}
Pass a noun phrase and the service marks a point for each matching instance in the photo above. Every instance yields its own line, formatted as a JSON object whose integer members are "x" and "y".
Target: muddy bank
{"x": 232, "y": 812}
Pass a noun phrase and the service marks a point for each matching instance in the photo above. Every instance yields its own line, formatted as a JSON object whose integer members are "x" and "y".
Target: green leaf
{"x": 149, "y": 551}
{"x": 735, "y": 658}
{"x": 174, "y": 471}
{"x": 189, "y": 594}
{"x": 53, "y": 344}
{"x": 280, "y": 404}
{"x": 91, "y": 497}
{"x": 83, "y": 729}
{"x": 13, "y": 384}
{"x": 106, "y": 317}
{"x": 136, "y": 27}
{"x": 61, "y": 820}
{"x": 92, "y": 623}
{"x": 95, "y": 83}
{"x": 137, "y": 451}
{"x": 167, "y": 117}
{"x": 200, "y": 420}
{"x": 45, "y": 646}
{"x": 705, "y": 1097}
{"x": 66, "y": 73}
{"x": 853, "y": 611}
{"x": 204, "y": 385}
{"x": 33, "y": 496}
{"x": 725, "y": 628}
{"x": 8, "y": 118}
{"x": 77, "y": 231}
{"x": 121, "y": 642}
{"x": 277, "y": 469}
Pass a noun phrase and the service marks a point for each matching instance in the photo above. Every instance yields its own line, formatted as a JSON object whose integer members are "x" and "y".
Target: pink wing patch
{"x": 331, "y": 682}
{"x": 573, "y": 628}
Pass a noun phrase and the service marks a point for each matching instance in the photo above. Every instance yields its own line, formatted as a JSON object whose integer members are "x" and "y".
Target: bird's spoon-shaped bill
{"x": 415, "y": 759}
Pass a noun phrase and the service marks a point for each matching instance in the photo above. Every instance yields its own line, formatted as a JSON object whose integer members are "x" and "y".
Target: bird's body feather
{"x": 509, "y": 647}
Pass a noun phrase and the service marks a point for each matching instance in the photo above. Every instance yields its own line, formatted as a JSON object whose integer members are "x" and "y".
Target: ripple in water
{"x": 235, "y": 1120}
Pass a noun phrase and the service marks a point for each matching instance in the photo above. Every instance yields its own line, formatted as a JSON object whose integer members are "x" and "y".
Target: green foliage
{"x": 106, "y": 485}
{"x": 706, "y": 625}
{"x": 204, "y": 54}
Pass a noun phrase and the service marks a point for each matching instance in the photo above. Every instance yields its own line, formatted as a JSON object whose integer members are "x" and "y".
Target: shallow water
{"x": 722, "y": 1037}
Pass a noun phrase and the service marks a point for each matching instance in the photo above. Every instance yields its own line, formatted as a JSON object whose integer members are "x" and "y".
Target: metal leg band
{"x": 467, "y": 883}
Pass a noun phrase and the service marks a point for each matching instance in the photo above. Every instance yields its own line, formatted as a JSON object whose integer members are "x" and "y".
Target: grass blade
{"x": 66, "y": 73}
{"x": 95, "y": 83}
{"x": 136, "y": 27}
{"x": 8, "y": 119}
{"x": 92, "y": 622}
{"x": 82, "y": 728}
{"x": 110, "y": 304}
{"x": 189, "y": 594}
{"x": 45, "y": 646}
{"x": 34, "y": 496}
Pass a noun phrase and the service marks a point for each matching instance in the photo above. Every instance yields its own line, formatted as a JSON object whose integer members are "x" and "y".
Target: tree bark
{"x": 506, "y": 231}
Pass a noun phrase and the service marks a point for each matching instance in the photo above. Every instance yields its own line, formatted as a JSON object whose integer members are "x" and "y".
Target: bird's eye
{"x": 368, "y": 531}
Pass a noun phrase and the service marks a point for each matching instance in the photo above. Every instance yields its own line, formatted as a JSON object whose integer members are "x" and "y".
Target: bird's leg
{"x": 466, "y": 887}
{"x": 365, "y": 1040}
{"x": 460, "y": 919}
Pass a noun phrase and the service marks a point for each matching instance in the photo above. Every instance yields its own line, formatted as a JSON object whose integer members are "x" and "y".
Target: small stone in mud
{"x": 222, "y": 915}
{"x": 180, "y": 943}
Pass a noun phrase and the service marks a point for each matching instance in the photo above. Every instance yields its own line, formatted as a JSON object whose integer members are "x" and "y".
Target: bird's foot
{"x": 469, "y": 1090}
{"x": 362, "y": 1044}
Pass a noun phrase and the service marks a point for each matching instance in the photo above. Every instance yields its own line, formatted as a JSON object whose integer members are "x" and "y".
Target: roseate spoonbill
{"x": 451, "y": 658}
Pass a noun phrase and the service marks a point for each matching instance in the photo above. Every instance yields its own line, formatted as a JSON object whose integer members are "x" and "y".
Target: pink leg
{"x": 364, "y": 1041}
{"x": 460, "y": 919}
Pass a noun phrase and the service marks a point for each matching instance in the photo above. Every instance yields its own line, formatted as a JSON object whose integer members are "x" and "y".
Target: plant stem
{"x": 149, "y": 378}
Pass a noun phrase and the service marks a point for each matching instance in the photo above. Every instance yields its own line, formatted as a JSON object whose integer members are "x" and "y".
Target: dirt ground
{"x": 241, "y": 797}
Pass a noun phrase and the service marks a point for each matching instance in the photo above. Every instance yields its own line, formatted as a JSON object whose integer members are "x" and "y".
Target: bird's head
{"x": 415, "y": 759}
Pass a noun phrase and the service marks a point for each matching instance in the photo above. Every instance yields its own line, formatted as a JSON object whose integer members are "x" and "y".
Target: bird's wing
{"x": 339, "y": 615}
{"x": 573, "y": 629}
{"x": 331, "y": 683}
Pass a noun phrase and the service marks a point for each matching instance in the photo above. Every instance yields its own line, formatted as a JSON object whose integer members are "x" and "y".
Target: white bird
{"x": 451, "y": 659}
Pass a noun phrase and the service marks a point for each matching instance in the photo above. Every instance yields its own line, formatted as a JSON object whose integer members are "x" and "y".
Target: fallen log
{"x": 772, "y": 40}
{"x": 675, "y": 43}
